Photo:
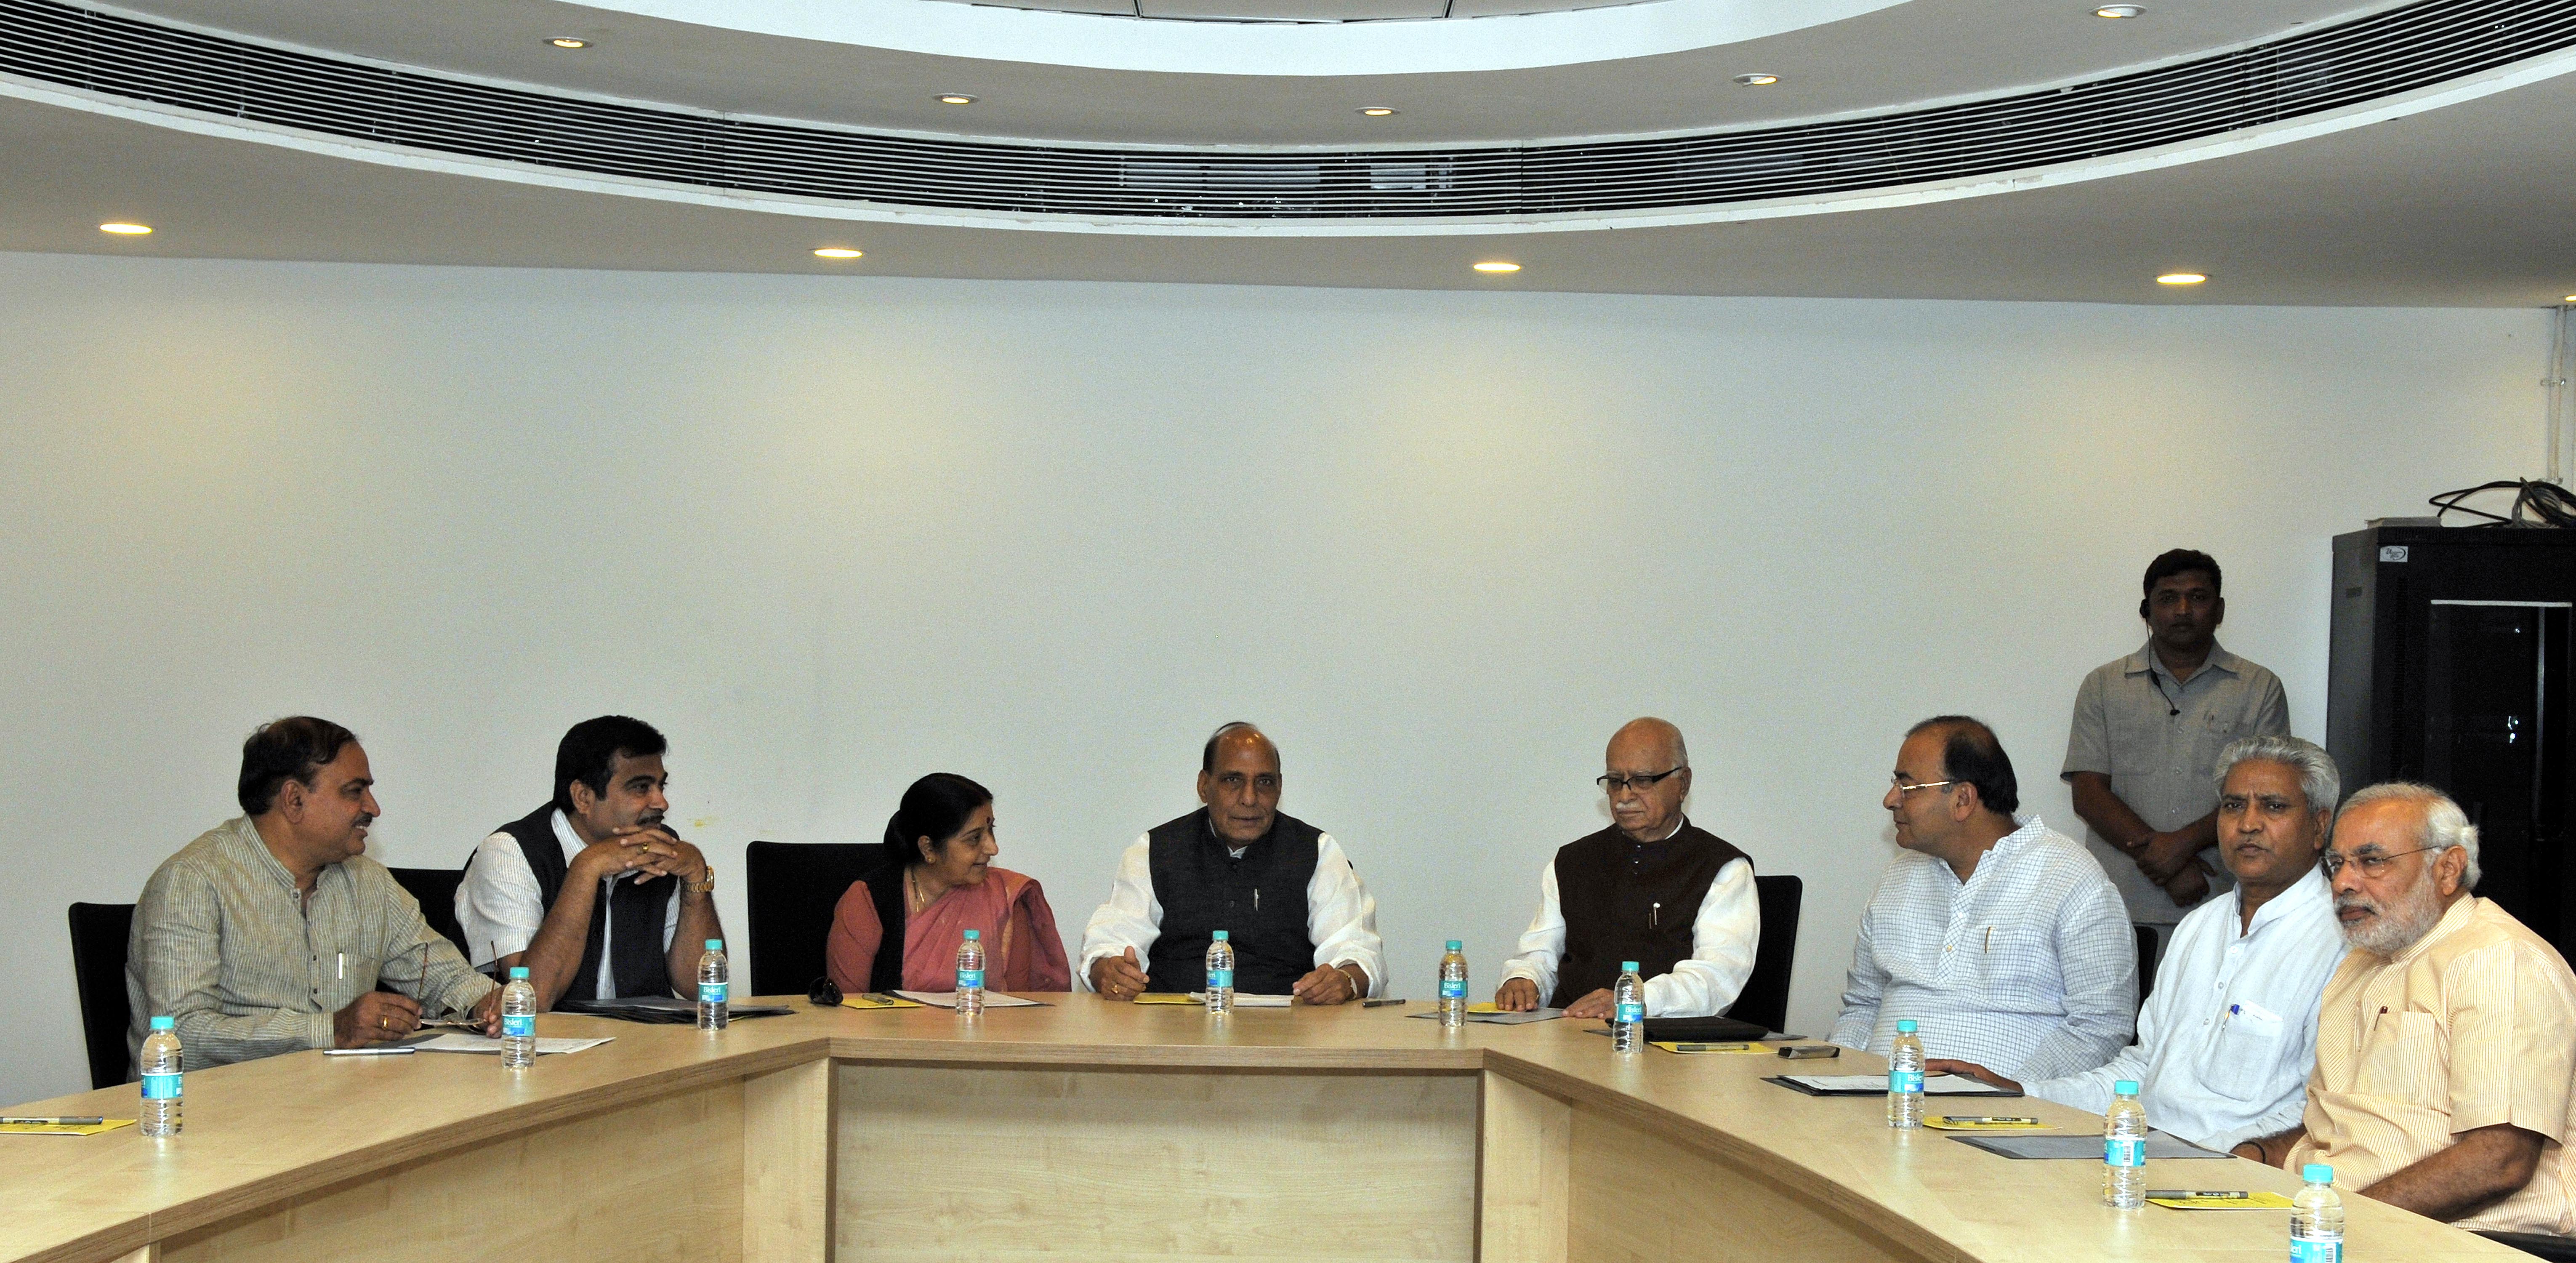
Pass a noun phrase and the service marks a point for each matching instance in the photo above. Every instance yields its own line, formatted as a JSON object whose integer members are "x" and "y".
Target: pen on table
{"x": 2175, "y": 1194}
{"x": 1378, "y": 1003}
{"x": 51, "y": 1122}
{"x": 1990, "y": 1118}
{"x": 1715, "y": 1047}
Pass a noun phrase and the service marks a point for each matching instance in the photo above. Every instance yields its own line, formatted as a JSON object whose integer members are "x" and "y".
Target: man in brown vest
{"x": 1653, "y": 888}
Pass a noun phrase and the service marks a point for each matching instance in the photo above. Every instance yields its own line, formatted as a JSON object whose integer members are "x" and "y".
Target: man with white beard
{"x": 2446, "y": 1043}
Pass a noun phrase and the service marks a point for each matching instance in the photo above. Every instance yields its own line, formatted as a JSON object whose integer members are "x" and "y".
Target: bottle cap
{"x": 973, "y": 935}
{"x": 1220, "y": 936}
{"x": 518, "y": 972}
{"x": 163, "y": 1024}
{"x": 715, "y": 945}
{"x": 2125, "y": 1087}
{"x": 1627, "y": 966}
{"x": 1905, "y": 1027}
{"x": 1455, "y": 945}
{"x": 2317, "y": 1173}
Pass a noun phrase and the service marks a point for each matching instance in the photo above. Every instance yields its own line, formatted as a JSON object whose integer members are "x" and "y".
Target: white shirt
{"x": 2028, "y": 968}
{"x": 499, "y": 905}
{"x": 2230, "y": 1031}
{"x": 1723, "y": 937}
{"x": 1341, "y": 917}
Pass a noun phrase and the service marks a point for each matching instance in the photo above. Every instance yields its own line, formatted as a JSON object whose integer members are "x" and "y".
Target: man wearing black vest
{"x": 1653, "y": 888}
{"x": 1288, "y": 899}
{"x": 591, "y": 892}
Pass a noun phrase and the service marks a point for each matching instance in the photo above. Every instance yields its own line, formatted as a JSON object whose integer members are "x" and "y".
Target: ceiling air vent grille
{"x": 2393, "y": 51}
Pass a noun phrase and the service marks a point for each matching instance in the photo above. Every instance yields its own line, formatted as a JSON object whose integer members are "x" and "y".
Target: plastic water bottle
{"x": 1453, "y": 985}
{"x": 1905, "y": 1077}
{"x": 161, "y": 1083}
{"x": 1220, "y": 976}
{"x": 715, "y": 980}
{"x": 970, "y": 974}
{"x": 1628, "y": 1010}
{"x": 2316, "y": 1218}
{"x": 518, "y": 1021}
{"x": 2124, "y": 1148}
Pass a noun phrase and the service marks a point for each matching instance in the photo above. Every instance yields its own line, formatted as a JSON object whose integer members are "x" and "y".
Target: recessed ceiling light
{"x": 127, "y": 230}
{"x": 2181, "y": 278}
{"x": 836, "y": 252}
{"x": 1757, "y": 80}
{"x": 955, "y": 98}
{"x": 1497, "y": 265}
{"x": 1376, "y": 111}
{"x": 566, "y": 41}
{"x": 2121, "y": 11}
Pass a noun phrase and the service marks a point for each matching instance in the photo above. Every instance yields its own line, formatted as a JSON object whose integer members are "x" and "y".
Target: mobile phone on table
{"x": 1805, "y": 1052}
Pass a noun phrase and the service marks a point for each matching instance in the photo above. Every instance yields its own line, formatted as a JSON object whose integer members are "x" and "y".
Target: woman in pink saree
{"x": 899, "y": 927}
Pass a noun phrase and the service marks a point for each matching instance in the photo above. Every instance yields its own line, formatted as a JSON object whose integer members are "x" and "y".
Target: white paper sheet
{"x": 948, "y": 999}
{"x": 1243, "y": 1001}
{"x": 1935, "y": 1085}
{"x": 485, "y": 1044}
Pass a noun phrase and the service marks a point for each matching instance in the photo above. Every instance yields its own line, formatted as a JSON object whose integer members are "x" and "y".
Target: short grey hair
{"x": 2318, "y": 779}
{"x": 2445, "y": 825}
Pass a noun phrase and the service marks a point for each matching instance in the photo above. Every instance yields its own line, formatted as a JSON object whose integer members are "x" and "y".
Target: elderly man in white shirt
{"x": 2230, "y": 1032}
{"x": 1653, "y": 888}
{"x": 2001, "y": 938}
{"x": 1282, "y": 890}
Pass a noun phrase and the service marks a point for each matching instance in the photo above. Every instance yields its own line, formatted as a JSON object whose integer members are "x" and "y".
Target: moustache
{"x": 2344, "y": 902}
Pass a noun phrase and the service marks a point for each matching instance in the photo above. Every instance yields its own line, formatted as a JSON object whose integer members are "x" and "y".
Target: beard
{"x": 2395, "y": 926}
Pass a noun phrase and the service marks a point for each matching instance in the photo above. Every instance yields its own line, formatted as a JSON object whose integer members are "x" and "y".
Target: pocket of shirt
{"x": 2397, "y": 1063}
{"x": 2247, "y": 1049}
{"x": 2019, "y": 960}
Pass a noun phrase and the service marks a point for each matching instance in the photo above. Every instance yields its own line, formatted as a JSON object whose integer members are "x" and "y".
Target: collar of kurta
{"x": 2311, "y": 885}
{"x": 2454, "y": 919}
{"x": 245, "y": 837}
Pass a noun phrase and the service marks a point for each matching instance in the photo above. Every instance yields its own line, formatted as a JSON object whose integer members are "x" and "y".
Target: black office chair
{"x": 1765, "y": 998}
{"x": 2541, "y": 1245}
{"x": 792, "y": 888}
{"x": 2146, "y": 962}
{"x": 99, "y": 934}
{"x": 435, "y": 888}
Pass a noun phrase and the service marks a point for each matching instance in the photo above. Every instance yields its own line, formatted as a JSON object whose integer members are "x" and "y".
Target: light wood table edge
{"x": 1203, "y": 1058}
{"x": 129, "y": 1242}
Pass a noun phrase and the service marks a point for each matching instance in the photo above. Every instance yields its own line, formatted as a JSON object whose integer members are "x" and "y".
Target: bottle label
{"x": 518, "y": 1025}
{"x": 2124, "y": 1151}
{"x": 711, "y": 992}
{"x": 2311, "y": 1250}
{"x": 1453, "y": 988}
{"x": 1220, "y": 979}
{"x": 1629, "y": 1012}
{"x": 970, "y": 979}
{"x": 1905, "y": 1082}
{"x": 160, "y": 1087}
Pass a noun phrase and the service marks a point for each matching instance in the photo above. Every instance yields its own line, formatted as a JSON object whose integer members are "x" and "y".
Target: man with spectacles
{"x": 2229, "y": 1034}
{"x": 1287, "y": 897}
{"x": 2000, "y": 937}
{"x": 2142, "y": 753}
{"x": 2446, "y": 1043}
{"x": 1653, "y": 888}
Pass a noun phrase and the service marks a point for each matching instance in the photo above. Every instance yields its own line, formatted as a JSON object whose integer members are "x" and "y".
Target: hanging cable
{"x": 2536, "y": 502}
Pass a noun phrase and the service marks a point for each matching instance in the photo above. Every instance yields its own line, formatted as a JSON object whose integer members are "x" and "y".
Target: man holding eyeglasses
{"x": 1287, "y": 897}
{"x": 2001, "y": 938}
{"x": 2446, "y": 1043}
{"x": 1653, "y": 888}
{"x": 2229, "y": 1035}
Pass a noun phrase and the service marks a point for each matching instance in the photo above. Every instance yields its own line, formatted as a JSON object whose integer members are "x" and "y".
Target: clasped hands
{"x": 2172, "y": 860}
{"x": 648, "y": 849}
{"x": 1122, "y": 977}
{"x": 381, "y": 1017}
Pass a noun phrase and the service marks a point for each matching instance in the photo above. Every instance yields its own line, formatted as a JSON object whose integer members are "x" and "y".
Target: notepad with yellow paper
{"x": 877, "y": 1000}
{"x": 1166, "y": 997}
{"x": 83, "y": 1128}
{"x": 2224, "y": 1201}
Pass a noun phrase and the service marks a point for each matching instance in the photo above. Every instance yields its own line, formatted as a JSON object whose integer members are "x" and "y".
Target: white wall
{"x": 833, "y": 534}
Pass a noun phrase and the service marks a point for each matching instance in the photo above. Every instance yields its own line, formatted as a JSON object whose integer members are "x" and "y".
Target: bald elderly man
{"x": 1653, "y": 888}
{"x": 1288, "y": 899}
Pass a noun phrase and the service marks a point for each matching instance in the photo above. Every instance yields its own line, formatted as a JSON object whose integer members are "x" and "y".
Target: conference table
{"x": 1090, "y": 1130}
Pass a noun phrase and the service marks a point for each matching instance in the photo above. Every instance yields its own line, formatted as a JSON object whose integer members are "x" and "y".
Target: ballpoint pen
{"x": 51, "y": 1122}
{"x": 2177, "y": 1194}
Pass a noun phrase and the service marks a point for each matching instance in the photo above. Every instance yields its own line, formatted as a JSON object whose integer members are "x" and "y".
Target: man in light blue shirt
{"x": 2230, "y": 1032}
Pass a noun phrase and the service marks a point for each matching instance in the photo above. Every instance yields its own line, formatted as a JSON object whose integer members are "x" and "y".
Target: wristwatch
{"x": 702, "y": 887}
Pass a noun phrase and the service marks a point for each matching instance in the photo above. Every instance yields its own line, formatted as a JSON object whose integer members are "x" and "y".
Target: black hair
{"x": 2174, "y": 562}
{"x": 1207, "y": 755}
{"x": 1970, "y": 753}
{"x": 590, "y": 749}
{"x": 936, "y": 807}
{"x": 294, "y": 748}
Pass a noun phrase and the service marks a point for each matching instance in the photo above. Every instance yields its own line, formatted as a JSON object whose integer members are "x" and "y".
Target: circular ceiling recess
{"x": 514, "y": 131}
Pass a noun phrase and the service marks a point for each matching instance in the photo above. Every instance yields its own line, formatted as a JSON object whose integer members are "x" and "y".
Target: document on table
{"x": 1876, "y": 1085}
{"x": 1243, "y": 1001}
{"x": 2248, "y": 1201}
{"x": 1487, "y": 1013}
{"x": 948, "y": 1000}
{"x": 64, "y": 1129}
{"x": 2159, "y": 1145}
{"x": 486, "y": 1044}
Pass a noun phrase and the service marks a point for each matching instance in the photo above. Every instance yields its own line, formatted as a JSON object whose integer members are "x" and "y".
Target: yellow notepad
{"x": 1483, "y": 1006}
{"x": 2251, "y": 1201}
{"x": 1692, "y": 1048}
{"x": 63, "y": 1129}
{"x": 1167, "y": 997}
{"x": 1978, "y": 1122}
{"x": 872, "y": 1000}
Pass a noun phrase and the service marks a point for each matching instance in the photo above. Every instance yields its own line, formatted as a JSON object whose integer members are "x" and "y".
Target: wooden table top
{"x": 261, "y": 1132}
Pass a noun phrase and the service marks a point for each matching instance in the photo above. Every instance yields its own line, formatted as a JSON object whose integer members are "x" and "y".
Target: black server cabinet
{"x": 2450, "y": 665}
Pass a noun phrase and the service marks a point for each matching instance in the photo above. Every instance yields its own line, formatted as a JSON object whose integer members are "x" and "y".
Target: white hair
{"x": 2445, "y": 825}
{"x": 2319, "y": 782}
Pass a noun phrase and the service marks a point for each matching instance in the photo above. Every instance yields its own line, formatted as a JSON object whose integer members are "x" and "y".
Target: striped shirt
{"x": 225, "y": 945}
{"x": 2028, "y": 968}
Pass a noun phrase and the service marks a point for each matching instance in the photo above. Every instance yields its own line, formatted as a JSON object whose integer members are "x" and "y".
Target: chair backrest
{"x": 1766, "y": 994}
{"x": 792, "y": 888}
{"x": 2146, "y": 961}
{"x": 99, "y": 934}
{"x": 435, "y": 888}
